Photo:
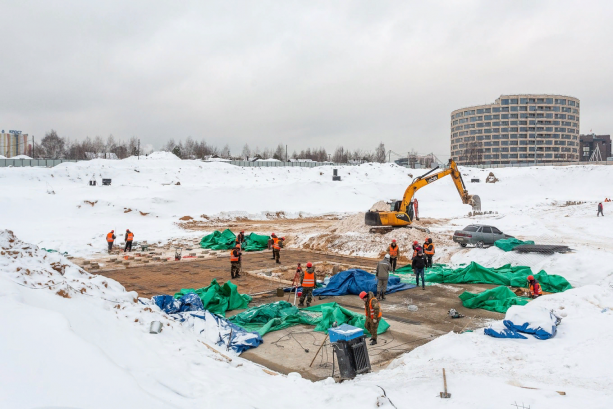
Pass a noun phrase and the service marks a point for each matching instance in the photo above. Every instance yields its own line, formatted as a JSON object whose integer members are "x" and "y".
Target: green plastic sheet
{"x": 510, "y": 244}
{"x": 219, "y": 240}
{"x": 281, "y": 314}
{"x": 219, "y": 299}
{"x": 507, "y": 275}
{"x": 255, "y": 242}
{"x": 498, "y": 299}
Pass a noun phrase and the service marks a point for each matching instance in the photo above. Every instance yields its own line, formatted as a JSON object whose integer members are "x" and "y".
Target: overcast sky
{"x": 302, "y": 73}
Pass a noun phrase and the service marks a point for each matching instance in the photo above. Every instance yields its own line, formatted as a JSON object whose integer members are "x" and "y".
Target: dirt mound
{"x": 380, "y": 206}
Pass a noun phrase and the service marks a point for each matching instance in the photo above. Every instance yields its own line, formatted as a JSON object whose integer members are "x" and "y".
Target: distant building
{"x": 594, "y": 147}
{"x": 515, "y": 128}
{"x": 14, "y": 143}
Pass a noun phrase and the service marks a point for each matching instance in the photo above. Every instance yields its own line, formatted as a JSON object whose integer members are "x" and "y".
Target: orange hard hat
{"x": 309, "y": 264}
{"x": 415, "y": 242}
{"x": 363, "y": 294}
{"x": 530, "y": 278}
{"x": 242, "y": 231}
{"x": 394, "y": 241}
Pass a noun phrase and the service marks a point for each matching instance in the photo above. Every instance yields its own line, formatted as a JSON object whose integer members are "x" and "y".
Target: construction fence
{"x": 528, "y": 164}
{"x": 264, "y": 163}
{"x": 4, "y": 163}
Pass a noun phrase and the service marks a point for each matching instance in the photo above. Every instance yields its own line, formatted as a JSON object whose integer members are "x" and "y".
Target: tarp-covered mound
{"x": 538, "y": 321}
{"x": 498, "y": 299}
{"x": 281, "y": 314}
{"x": 189, "y": 312}
{"x": 354, "y": 281}
{"x": 219, "y": 240}
{"x": 218, "y": 299}
{"x": 510, "y": 244}
{"x": 255, "y": 242}
{"x": 477, "y": 274}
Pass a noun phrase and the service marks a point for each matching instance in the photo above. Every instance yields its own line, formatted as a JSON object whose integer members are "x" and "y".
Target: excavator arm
{"x": 402, "y": 212}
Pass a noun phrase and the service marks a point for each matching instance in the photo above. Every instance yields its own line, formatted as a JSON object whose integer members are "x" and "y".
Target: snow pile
{"x": 155, "y": 156}
{"x": 2, "y": 157}
{"x": 20, "y": 157}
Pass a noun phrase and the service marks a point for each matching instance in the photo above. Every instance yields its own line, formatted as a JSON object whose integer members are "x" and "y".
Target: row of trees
{"x": 53, "y": 146}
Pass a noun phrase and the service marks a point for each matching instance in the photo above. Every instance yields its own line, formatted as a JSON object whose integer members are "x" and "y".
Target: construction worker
{"x": 128, "y": 238}
{"x": 383, "y": 274}
{"x": 419, "y": 264}
{"x": 235, "y": 261}
{"x": 429, "y": 251}
{"x": 534, "y": 287}
{"x": 307, "y": 280}
{"x": 277, "y": 243}
{"x": 393, "y": 252}
{"x": 415, "y": 248}
{"x": 600, "y": 210}
{"x": 372, "y": 309}
{"x": 241, "y": 237}
{"x": 110, "y": 239}
{"x": 271, "y": 241}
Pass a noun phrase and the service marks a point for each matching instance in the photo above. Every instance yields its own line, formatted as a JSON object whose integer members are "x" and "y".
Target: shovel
{"x": 445, "y": 394}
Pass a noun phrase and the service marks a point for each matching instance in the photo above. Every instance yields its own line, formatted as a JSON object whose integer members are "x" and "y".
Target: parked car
{"x": 478, "y": 235}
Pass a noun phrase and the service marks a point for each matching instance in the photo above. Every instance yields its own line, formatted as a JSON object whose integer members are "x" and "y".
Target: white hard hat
{"x": 387, "y": 256}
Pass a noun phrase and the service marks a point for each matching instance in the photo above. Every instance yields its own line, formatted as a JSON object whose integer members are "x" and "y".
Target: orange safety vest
{"x": 309, "y": 279}
{"x": 275, "y": 244}
{"x": 371, "y": 313}
{"x": 130, "y": 236}
{"x": 234, "y": 255}
{"x": 109, "y": 238}
{"x": 429, "y": 249}
{"x": 393, "y": 251}
{"x": 535, "y": 289}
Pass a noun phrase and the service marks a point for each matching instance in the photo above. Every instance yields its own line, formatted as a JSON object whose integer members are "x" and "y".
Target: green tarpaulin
{"x": 255, "y": 242}
{"x": 219, "y": 299}
{"x": 281, "y": 314}
{"x": 477, "y": 274}
{"x": 219, "y": 240}
{"x": 510, "y": 244}
{"x": 498, "y": 299}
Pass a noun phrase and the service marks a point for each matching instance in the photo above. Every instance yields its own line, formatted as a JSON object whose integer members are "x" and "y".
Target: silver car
{"x": 479, "y": 235}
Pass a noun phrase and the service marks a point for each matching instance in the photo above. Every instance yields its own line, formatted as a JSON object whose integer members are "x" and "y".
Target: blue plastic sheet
{"x": 355, "y": 281}
{"x": 505, "y": 333}
{"x": 189, "y": 309}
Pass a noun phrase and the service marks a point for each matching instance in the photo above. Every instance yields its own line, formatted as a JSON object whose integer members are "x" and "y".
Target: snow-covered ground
{"x": 71, "y": 339}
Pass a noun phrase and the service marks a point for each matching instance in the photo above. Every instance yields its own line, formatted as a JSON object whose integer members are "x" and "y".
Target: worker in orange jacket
{"x": 429, "y": 251}
{"x": 534, "y": 287}
{"x": 307, "y": 280}
{"x": 235, "y": 261}
{"x": 372, "y": 309}
{"x": 277, "y": 243}
{"x": 393, "y": 252}
{"x": 110, "y": 239}
{"x": 128, "y": 238}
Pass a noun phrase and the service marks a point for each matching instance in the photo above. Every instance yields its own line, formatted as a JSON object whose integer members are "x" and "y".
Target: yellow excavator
{"x": 401, "y": 213}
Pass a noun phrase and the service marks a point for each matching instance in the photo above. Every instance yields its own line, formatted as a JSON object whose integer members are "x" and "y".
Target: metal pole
{"x": 286, "y": 153}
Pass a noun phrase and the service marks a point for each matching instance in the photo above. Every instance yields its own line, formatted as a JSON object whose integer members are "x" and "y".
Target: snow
{"x": 2, "y": 157}
{"x": 19, "y": 157}
{"x": 93, "y": 349}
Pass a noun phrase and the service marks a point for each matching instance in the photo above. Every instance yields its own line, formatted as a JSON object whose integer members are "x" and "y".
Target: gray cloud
{"x": 301, "y": 73}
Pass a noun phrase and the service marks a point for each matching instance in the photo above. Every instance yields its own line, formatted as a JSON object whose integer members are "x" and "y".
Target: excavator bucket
{"x": 372, "y": 219}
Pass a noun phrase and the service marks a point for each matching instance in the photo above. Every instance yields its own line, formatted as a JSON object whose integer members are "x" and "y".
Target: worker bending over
{"x": 241, "y": 237}
{"x": 372, "y": 309}
{"x": 534, "y": 287}
{"x": 383, "y": 274}
{"x": 307, "y": 280}
{"x": 429, "y": 251}
{"x": 419, "y": 264}
{"x": 110, "y": 239}
{"x": 235, "y": 261}
{"x": 393, "y": 252}
{"x": 128, "y": 238}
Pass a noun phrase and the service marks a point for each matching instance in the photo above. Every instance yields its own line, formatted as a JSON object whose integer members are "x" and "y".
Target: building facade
{"x": 594, "y": 147}
{"x": 13, "y": 143}
{"x": 515, "y": 128}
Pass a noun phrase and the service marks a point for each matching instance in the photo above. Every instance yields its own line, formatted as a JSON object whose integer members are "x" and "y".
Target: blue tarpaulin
{"x": 537, "y": 321}
{"x": 189, "y": 311}
{"x": 354, "y": 281}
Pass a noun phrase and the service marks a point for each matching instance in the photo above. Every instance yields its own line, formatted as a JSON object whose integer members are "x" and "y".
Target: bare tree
{"x": 225, "y": 152}
{"x": 53, "y": 145}
{"x": 340, "y": 155}
{"x": 380, "y": 153}
{"x": 246, "y": 152}
{"x": 279, "y": 153}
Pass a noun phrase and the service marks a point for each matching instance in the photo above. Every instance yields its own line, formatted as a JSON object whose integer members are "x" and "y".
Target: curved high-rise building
{"x": 515, "y": 128}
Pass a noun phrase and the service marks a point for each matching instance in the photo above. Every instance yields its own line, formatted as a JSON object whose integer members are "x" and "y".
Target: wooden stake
{"x": 317, "y": 353}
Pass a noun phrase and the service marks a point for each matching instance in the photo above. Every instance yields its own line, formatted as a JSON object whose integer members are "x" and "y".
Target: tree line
{"x": 52, "y": 146}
